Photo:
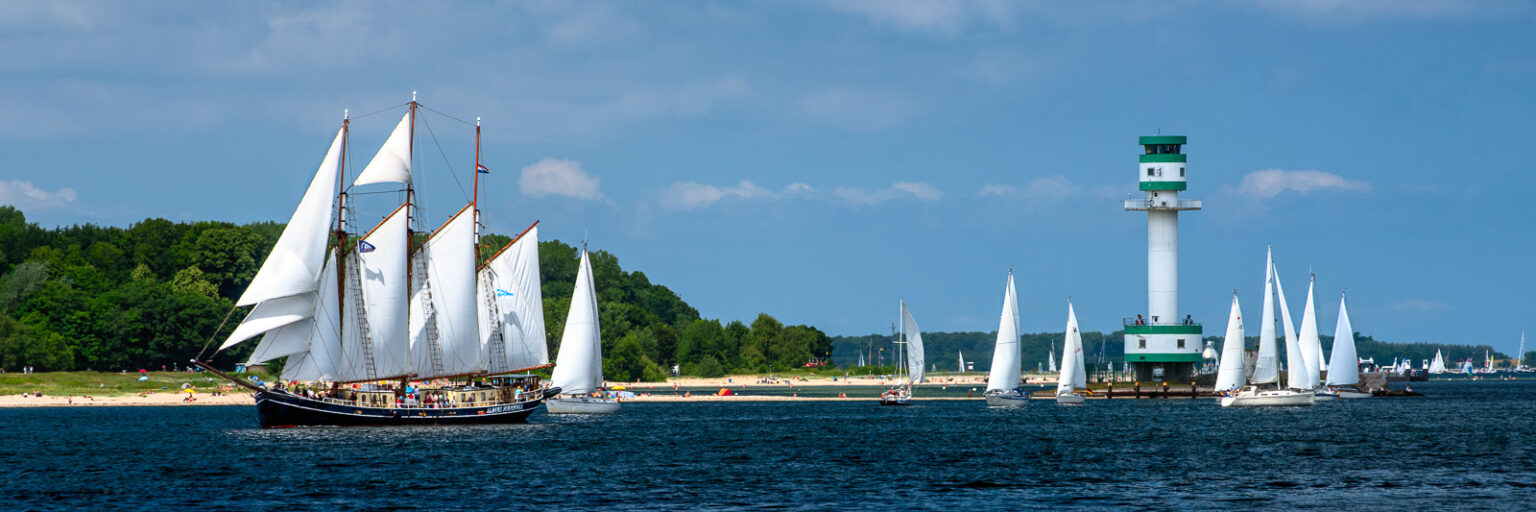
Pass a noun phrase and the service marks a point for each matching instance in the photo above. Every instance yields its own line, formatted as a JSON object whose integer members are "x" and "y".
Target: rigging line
{"x": 441, "y": 113}
{"x": 216, "y": 332}
{"x": 382, "y": 110}
{"x": 446, "y": 162}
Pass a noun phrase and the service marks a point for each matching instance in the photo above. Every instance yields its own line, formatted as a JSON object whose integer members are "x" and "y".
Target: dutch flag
{"x": 482, "y": 169}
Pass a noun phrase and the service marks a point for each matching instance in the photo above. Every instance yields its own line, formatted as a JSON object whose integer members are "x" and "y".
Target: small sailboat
{"x": 961, "y": 356}
{"x": 1264, "y": 384}
{"x": 910, "y": 342}
{"x": 1003, "y": 389}
{"x": 1344, "y": 374}
{"x": 1050, "y": 362}
{"x": 1437, "y": 366}
{"x": 579, "y": 370}
{"x": 1230, "y": 375}
{"x": 1073, "y": 377}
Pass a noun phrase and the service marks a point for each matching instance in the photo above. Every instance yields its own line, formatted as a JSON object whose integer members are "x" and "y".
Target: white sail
{"x": 1230, "y": 375}
{"x": 1437, "y": 366}
{"x": 510, "y": 287}
{"x": 294, "y": 265}
{"x": 453, "y": 286}
{"x": 961, "y": 356}
{"x": 1520, "y": 352}
{"x": 1311, "y": 346}
{"x": 1345, "y": 370}
{"x": 272, "y": 314}
{"x": 1050, "y": 361}
{"x": 1005, "y": 352}
{"x": 319, "y": 359}
{"x": 1073, "y": 374}
{"x": 580, "y": 366}
{"x": 914, "y": 344}
{"x": 1266, "y": 368}
{"x": 1296, "y": 363}
{"x": 423, "y": 340}
{"x": 392, "y": 164}
{"x": 381, "y": 255}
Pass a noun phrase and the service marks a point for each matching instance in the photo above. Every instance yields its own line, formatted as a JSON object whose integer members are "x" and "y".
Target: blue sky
{"x": 819, "y": 160}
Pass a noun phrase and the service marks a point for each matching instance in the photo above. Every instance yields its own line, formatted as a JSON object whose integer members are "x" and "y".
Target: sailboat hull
{"x": 1010, "y": 399}
{"x": 1350, "y": 395}
{"x": 1070, "y": 399}
{"x": 1276, "y": 398}
{"x": 278, "y": 409}
{"x": 581, "y": 405}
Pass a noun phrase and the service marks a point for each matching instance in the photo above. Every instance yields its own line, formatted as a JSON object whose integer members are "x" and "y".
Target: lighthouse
{"x": 1162, "y": 345}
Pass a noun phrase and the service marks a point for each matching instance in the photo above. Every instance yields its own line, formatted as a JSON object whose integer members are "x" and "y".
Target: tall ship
{"x": 392, "y": 325}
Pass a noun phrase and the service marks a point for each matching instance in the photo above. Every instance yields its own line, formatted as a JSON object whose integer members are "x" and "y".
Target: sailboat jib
{"x": 1311, "y": 346}
{"x": 580, "y": 368}
{"x": 1229, "y": 375}
{"x": 271, "y": 314}
{"x": 392, "y": 164}
{"x": 1073, "y": 373}
{"x": 294, "y": 265}
{"x": 914, "y": 339}
{"x": 323, "y": 341}
{"x": 1345, "y": 370}
{"x": 1006, "y": 357}
{"x": 512, "y": 304}
{"x": 1295, "y": 362}
{"x": 381, "y": 254}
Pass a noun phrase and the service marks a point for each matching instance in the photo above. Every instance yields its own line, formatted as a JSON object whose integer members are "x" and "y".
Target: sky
{"x": 819, "y": 161}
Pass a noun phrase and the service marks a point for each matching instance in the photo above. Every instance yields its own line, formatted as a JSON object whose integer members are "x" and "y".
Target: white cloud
{"x": 1273, "y": 182}
{"x": 930, "y": 16}
{"x": 27, "y": 197}
{"x": 997, "y": 190}
{"x": 898, "y": 190}
{"x": 1039, "y": 189}
{"x": 688, "y": 195}
{"x": 552, "y": 177}
{"x": 857, "y": 109}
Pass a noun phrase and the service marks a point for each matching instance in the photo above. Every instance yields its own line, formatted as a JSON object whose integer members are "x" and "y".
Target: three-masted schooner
{"x": 389, "y": 331}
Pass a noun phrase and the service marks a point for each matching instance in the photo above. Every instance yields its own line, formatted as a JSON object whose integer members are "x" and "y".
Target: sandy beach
{"x": 161, "y": 399}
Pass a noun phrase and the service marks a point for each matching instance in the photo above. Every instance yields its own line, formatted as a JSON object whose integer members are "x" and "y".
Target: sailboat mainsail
{"x": 1345, "y": 370}
{"x": 1074, "y": 376}
{"x": 914, "y": 340}
{"x": 961, "y": 355}
{"x": 580, "y": 368}
{"x": 1310, "y": 345}
{"x": 1266, "y": 368}
{"x": 1229, "y": 375}
{"x": 1437, "y": 366}
{"x": 381, "y": 254}
{"x": 1005, "y": 352}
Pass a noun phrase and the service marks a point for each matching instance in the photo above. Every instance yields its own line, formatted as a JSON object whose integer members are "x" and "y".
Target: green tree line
{"x": 89, "y": 297}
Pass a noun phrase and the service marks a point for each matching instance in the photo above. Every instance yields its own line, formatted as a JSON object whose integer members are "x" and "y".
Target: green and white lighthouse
{"x": 1162, "y": 345}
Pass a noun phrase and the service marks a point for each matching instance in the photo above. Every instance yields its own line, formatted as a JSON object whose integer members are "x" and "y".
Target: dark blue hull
{"x": 283, "y": 409}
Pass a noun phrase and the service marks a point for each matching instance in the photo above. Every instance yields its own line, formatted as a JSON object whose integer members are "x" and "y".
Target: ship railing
{"x": 1139, "y": 322}
{"x": 526, "y": 396}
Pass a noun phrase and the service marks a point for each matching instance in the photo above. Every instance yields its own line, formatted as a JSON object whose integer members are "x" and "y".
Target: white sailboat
{"x": 1344, "y": 374}
{"x": 1309, "y": 343}
{"x": 345, "y": 312}
{"x": 1003, "y": 386}
{"x": 1230, "y": 375}
{"x": 961, "y": 355}
{"x": 1520, "y": 354}
{"x": 1437, "y": 366}
{"x": 1263, "y": 387}
{"x": 1050, "y": 362}
{"x": 579, "y": 370}
{"x": 910, "y": 343}
{"x": 1073, "y": 377}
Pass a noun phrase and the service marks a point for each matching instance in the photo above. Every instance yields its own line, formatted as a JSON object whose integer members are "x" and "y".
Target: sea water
{"x": 1466, "y": 446}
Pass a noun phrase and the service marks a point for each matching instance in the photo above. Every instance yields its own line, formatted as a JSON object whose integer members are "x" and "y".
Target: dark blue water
{"x": 1468, "y": 446}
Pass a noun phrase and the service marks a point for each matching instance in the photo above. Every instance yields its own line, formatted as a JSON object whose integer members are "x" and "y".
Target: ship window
{"x": 1181, "y": 172}
{"x": 1181, "y": 342}
{"x": 1149, "y": 171}
{"x": 1141, "y": 343}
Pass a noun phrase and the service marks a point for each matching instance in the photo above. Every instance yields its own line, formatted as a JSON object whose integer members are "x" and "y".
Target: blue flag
{"x": 503, "y": 293}
{"x": 364, "y": 246}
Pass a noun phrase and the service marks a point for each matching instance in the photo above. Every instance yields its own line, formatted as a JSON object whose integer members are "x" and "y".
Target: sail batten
{"x": 1006, "y": 357}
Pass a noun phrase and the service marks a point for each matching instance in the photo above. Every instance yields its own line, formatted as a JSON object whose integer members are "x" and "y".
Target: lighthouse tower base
{"x": 1163, "y": 352}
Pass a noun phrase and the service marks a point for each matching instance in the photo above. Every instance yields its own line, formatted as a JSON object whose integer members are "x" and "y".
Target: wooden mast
{"x": 341, "y": 205}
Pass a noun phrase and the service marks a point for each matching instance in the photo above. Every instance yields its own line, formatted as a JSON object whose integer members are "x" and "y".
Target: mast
{"x": 341, "y": 204}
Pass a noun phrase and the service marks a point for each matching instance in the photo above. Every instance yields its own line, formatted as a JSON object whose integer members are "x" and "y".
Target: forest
{"x": 153, "y": 294}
